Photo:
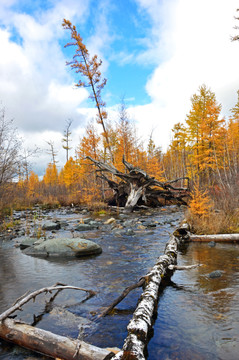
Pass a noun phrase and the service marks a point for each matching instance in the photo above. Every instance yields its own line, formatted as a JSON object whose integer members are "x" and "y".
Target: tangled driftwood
{"x": 137, "y": 186}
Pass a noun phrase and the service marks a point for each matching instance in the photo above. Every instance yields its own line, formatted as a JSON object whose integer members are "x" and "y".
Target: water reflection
{"x": 197, "y": 316}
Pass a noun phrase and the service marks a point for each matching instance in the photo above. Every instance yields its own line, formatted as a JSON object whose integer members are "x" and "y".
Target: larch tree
{"x": 89, "y": 68}
{"x": 51, "y": 176}
{"x": 51, "y": 151}
{"x": 154, "y": 167}
{"x": 89, "y": 146}
{"x": 203, "y": 127}
{"x": 33, "y": 185}
{"x": 70, "y": 176}
{"x": 177, "y": 149}
{"x": 66, "y": 138}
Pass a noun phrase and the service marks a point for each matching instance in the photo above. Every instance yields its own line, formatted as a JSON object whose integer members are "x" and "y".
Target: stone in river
{"x": 27, "y": 242}
{"x": 50, "y": 225}
{"x": 85, "y": 227}
{"x": 64, "y": 247}
{"x": 215, "y": 274}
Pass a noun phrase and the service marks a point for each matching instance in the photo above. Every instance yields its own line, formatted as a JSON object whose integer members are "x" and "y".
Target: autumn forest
{"x": 204, "y": 147}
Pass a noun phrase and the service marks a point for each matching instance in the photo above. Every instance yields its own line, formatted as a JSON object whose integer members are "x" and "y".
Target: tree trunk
{"x": 50, "y": 344}
{"x": 138, "y": 328}
{"x": 216, "y": 238}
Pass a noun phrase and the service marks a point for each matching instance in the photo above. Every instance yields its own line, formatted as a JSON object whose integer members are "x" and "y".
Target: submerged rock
{"x": 64, "y": 247}
{"x": 212, "y": 244}
{"x": 215, "y": 274}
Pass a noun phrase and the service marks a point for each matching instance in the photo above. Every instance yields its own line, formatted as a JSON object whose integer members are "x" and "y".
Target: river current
{"x": 198, "y": 317}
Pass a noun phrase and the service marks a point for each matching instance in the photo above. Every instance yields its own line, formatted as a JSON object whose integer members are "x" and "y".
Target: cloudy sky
{"x": 155, "y": 53}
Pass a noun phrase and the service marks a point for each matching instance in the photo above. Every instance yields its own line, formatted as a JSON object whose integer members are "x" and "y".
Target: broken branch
{"x": 23, "y": 300}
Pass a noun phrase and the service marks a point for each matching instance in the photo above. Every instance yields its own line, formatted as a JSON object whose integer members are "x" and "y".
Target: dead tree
{"x": 137, "y": 187}
{"x": 43, "y": 341}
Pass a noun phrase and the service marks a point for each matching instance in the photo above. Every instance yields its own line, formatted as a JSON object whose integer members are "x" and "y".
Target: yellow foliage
{"x": 33, "y": 183}
{"x": 200, "y": 203}
{"x": 51, "y": 175}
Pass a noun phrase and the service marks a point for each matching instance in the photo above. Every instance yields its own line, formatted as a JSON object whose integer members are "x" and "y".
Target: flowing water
{"x": 198, "y": 317}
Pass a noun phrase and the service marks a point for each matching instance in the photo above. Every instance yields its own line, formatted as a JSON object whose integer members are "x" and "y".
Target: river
{"x": 198, "y": 317}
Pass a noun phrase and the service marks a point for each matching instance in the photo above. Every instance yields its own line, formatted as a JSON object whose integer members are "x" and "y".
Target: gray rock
{"x": 63, "y": 317}
{"x": 130, "y": 232}
{"x": 86, "y": 220}
{"x": 64, "y": 223}
{"x": 27, "y": 242}
{"x": 128, "y": 222}
{"x": 212, "y": 244}
{"x": 215, "y": 274}
{"x": 85, "y": 227}
{"x": 94, "y": 223}
{"x": 64, "y": 247}
{"x": 50, "y": 225}
{"x": 151, "y": 225}
{"x": 123, "y": 216}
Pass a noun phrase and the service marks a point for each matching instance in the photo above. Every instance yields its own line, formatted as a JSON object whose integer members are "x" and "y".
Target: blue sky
{"x": 155, "y": 53}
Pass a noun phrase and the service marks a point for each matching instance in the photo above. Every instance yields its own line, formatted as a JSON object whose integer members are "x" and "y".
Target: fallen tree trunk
{"x": 43, "y": 341}
{"x": 50, "y": 344}
{"x": 215, "y": 238}
{"x": 142, "y": 321}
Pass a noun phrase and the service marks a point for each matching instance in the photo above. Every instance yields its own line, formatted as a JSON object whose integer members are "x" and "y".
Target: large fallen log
{"x": 138, "y": 329}
{"x": 215, "y": 238}
{"x": 50, "y": 344}
{"x": 43, "y": 341}
{"x": 137, "y": 186}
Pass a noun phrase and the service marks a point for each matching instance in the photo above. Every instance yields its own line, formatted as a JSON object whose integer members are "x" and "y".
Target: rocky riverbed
{"x": 69, "y": 232}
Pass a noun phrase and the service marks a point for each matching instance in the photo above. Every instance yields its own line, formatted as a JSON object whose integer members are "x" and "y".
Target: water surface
{"x": 197, "y": 316}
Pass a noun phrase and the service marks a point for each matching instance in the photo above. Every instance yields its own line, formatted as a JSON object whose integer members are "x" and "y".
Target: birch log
{"x": 138, "y": 328}
{"x": 50, "y": 344}
{"x": 216, "y": 238}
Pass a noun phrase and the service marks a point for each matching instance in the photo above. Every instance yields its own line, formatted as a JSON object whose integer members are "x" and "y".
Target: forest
{"x": 204, "y": 148}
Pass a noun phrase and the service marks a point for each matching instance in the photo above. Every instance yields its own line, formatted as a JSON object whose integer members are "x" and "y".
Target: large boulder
{"x": 64, "y": 247}
{"x": 28, "y": 242}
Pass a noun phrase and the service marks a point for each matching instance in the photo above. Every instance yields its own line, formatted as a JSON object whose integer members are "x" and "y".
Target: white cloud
{"x": 198, "y": 51}
{"x": 189, "y": 44}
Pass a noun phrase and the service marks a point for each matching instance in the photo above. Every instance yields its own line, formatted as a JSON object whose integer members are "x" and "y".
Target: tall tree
{"x": 203, "y": 127}
{"x": 66, "y": 138}
{"x": 89, "y": 68}
{"x": 52, "y": 152}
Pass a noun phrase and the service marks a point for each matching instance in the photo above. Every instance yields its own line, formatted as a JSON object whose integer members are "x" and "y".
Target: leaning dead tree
{"x": 137, "y": 187}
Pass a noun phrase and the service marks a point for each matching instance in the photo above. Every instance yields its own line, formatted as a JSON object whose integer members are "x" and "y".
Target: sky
{"x": 155, "y": 54}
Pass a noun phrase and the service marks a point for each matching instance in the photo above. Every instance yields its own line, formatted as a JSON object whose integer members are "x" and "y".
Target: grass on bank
{"x": 213, "y": 212}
